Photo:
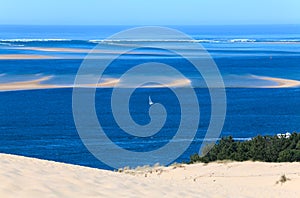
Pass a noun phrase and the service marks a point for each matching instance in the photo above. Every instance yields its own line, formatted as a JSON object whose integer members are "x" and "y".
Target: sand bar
{"x": 23, "y": 56}
{"x": 281, "y": 82}
{"x": 41, "y": 83}
{"x": 27, "y": 85}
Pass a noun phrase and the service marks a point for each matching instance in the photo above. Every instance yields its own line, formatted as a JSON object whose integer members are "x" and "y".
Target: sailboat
{"x": 150, "y": 101}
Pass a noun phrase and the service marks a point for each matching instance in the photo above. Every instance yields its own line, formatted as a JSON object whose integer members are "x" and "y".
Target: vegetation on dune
{"x": 260, "y": 148}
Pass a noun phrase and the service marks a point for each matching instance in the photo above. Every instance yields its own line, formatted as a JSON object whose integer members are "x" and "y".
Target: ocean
{"x": 259, "y": 66}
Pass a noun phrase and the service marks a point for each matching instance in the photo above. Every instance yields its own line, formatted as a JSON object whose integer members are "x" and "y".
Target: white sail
{"x": 150, "y": 101}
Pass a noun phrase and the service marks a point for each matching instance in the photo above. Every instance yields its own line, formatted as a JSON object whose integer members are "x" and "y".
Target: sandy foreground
{"x": 29, "y": 177}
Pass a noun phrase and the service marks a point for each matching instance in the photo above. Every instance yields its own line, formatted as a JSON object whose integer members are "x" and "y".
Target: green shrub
{"x": 260, "y": 148}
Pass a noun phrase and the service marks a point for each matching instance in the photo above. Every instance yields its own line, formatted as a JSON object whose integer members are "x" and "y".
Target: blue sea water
{"x": 39, "y": 123}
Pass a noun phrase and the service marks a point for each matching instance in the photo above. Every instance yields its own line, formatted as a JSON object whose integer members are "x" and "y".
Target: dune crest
{"x": 29, "y": 177}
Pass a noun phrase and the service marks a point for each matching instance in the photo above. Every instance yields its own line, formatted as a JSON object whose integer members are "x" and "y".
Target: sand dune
{"x": 28, "y": 177}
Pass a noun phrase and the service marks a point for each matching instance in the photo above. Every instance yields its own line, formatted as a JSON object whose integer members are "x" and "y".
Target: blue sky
{"x": 149, "y": 12}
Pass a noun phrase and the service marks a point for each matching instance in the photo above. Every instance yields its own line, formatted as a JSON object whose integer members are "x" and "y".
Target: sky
{"x": 149, "y": 12}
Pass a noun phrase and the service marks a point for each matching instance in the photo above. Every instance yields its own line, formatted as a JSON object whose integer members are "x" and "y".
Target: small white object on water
{"x": 150, "y": 101}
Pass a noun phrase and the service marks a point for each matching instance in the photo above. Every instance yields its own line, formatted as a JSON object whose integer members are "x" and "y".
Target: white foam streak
{"x": 33, "y": 40}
